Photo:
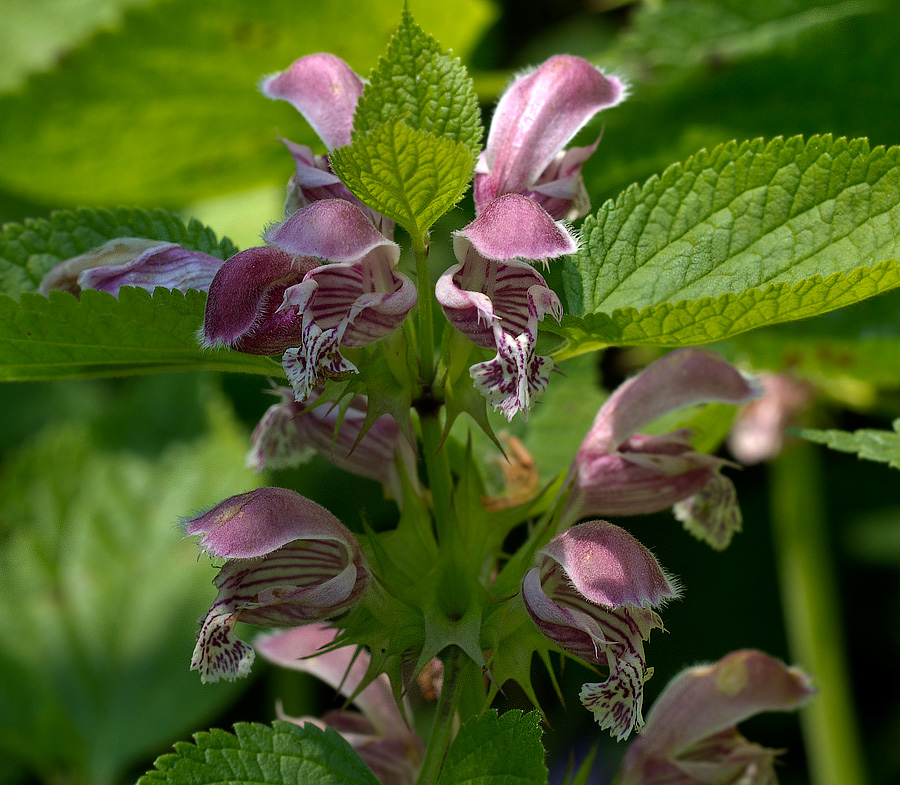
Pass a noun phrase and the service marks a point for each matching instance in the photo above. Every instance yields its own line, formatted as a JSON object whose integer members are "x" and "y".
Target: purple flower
{"x": 592, "y": 592}
{"x": 133, "y": 261}
{"x": 379, "y": 734}
{"x": 690, "y": 737}
{"x": 288, "y": 561}
{"x": 290, "y": 432}
{"x": 534, "y": 120}
{"x": 620, "y": 472}
{"x": 325, "y": 90}
{"x": 282, "y": 299}
{"x": 496, "y": 300}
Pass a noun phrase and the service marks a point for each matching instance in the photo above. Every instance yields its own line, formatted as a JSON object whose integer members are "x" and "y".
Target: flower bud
{"x": 288, "y": 561}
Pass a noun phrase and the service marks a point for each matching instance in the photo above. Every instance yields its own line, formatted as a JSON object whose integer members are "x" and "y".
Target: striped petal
{"x": 591, "y": 592}
{"x": 351, "y": 304}
{"x": 288, "y": 561}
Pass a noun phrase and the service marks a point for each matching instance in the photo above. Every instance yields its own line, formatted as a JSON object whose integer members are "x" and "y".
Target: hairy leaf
{"x": 409, "y": 175}
{"x": 100, "y": 335}
{"x": 868, "y": 443}
{"x": 418, "y": 83}
{"x": 692, "y": 322}
{"x": 742, "y": 236}
{"x": 283, "y": 754}
{"x": 29, "y": 250}
{"x": 497, "y": 750}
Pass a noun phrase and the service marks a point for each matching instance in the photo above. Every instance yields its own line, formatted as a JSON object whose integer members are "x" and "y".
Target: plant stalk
{"x": 811, "y": 603}
{"x": 426, "y": 306}
{"x": 442, "y": 729}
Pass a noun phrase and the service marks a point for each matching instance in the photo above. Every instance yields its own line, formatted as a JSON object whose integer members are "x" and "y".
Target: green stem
{"x": 810, "y": 598}
{"x": 426, "y": 319}
{"x": 442, "y": 729}
{"x": 440, "y": 480}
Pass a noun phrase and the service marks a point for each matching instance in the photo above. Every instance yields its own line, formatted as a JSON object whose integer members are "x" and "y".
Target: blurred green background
{"x": 142, "y": 103}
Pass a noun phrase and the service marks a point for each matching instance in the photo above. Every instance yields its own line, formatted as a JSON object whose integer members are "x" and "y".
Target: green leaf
{"x": 497, "y": 750}
{"x": 418, "y": 83}
{"x": 868, "y": 443}
{"x": 283, "y": 754}
{"x": 29, "y": 250}
{"x": 165, "y": 109}
{"x": 409, "y": 175}
{"x": 101, "y": 335}
{"x": 692, "y": 322}
{"x": 736, "y": 238}
{"x": 668, "y": 39}
{"x": 101, "y": 593}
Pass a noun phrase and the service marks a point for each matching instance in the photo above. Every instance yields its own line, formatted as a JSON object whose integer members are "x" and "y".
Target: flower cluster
{"x": 326, "y": 283}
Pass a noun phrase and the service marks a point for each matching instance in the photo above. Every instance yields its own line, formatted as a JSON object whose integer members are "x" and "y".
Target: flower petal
{"x": 681, "y": 378}
{"x": 712, "y": 513}
{"x": 516, "y": 377}
{"x": 609, "y": 567}
{"x": 534, "y": 120}
{"x": 343, "y": 669}
{"x": 324, "y": 89}
{"x": 691, "y": 724}
{"x": 259, "y": 522}
{"x": 513, "y": 226}
{"x": 291, "y": 432}
{"x": 243, "y": 308}
{"x": 331, "y": 229}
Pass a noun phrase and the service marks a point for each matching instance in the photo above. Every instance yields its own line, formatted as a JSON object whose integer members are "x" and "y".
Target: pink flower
{"x": 290, "y": 432}
{"x": 282, "y": 298}
{"x": 379, "y": 734}
{"x": 620, "y": 472}
{"x": 592, "y": 592}
{"x": 690, "y": 737}
{"x": 133, "y": 261}
{"x": 288, "y": 561}
{"x": 325, "y": 90}
{"x": 496, "y": 300}
{"x": 534, "y": 120}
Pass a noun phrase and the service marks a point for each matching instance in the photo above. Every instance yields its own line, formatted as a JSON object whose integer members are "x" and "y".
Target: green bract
{"x": 416, "y": 133}
{"x": 409, "y": 175}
